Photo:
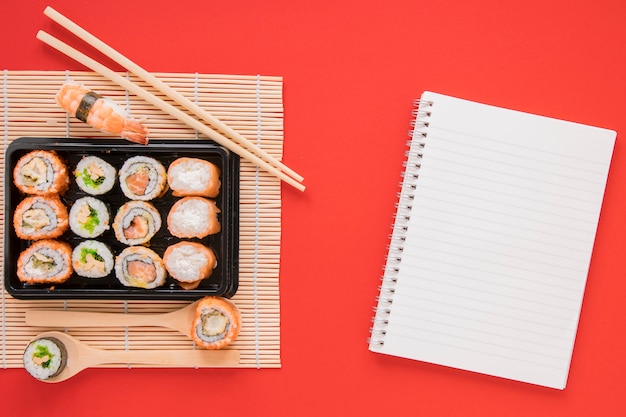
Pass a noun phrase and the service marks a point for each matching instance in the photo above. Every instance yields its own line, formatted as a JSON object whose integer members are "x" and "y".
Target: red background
{"x": 351, "y": 70}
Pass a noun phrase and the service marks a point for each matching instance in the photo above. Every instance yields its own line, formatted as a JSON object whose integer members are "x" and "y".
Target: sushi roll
{"x": 46, "y": 261}
{"x": 143, "y": 178}
{"x": 41, "y": 173}
{"x": 92, "y": 259}
{"x": 189, "y": 263}
{"x": 138, "y": 266}
{"x": 40, "y": 217}
{"x": 193, "y": 217}
{"x": 216, "y": 323}
{"x": 45, "y": 358}
{"x": 193, "y": 177}
{"x": 136, "y": 222}
{"x": 94, "y": 175}
{"x": 89, "y": 217}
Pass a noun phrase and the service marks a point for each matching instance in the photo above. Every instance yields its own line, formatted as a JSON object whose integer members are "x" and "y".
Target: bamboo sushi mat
{"x": 252, "y": 105}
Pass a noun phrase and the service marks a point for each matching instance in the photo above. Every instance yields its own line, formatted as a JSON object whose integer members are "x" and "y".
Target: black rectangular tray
{"x": 222, "y": 282}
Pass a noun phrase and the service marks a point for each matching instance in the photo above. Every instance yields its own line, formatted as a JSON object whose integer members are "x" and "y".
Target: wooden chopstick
{"x": 236, "y": 142}
{"x": 164, "y": 88}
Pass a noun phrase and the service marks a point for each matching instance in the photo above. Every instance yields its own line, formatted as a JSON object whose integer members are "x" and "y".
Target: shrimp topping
{"x": 101, "y": 113}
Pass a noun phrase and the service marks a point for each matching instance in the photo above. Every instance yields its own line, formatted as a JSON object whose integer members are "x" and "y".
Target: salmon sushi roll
{"x": 46, "y": 261}
{"x": 92, "y": 259}
{"x": 136, "y": 222}
{"x": 89, "y": 217}
{"x": 143, "y": 178}
{"x": 41, "y": 173}
{"x": 40, "y": 217}
{"x": 94, "y": 175}
{"x": 189, "y": 263}
{"x": 193, "y": 177}
{"x": 193, "y": 217}
{"x": 216, "y": 324}
{"x": 138, "y": 266}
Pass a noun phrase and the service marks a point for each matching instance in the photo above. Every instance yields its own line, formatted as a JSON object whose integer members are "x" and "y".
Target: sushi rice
{"x": 189, "y": 263}
{"x": 193, "y": 217}
{"x": 193, "y": 177}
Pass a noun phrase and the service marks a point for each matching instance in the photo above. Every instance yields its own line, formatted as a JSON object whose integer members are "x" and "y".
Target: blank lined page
{"x": 496, "y": 254}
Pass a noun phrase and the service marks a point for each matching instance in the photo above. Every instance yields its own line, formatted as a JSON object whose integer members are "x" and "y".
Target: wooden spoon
{"x": 81, "y": 356}
{"x": 180, "y": 320}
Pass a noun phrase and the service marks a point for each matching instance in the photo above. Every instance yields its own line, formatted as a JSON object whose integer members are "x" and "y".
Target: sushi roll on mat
{"x": 189, "y": 263}
{"x": 89, "y": 217}
{"x": 136, "y": 222}
{"x": 143, "y": 178}
{"x": 193, "y": 217}
{"x": 45, "y": 357}
{"x": 92, "y": 259}
{"x": 94, "y": 175}
{"x": 41, "y": 173}
{"x": 138, "y": 266}
{"x": 40, "y": 217}
{"x": 216, "y": 323}
{"x": 46, "y": 261}
{"x": 193, "y": 177}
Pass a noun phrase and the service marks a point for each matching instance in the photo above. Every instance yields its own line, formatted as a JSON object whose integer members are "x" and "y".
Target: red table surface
{"x": 351, "y": 70}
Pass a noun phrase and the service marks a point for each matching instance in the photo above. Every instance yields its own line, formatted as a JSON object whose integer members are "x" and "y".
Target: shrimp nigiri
{"x": 101, "y": 113}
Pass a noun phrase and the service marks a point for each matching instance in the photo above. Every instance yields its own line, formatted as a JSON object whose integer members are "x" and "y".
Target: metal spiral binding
{"x": 418, "y": 133}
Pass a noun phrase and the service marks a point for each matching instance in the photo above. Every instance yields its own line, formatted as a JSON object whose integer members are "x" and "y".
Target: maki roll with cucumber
{"x": 45, "y": 358}
{"x": 89, "y": 217}
{"x": 92, "y": 259}
{"x": 94, "y": 175}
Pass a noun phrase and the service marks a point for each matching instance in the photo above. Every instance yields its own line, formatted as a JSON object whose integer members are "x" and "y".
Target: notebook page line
{"x": 449, "y": 222}
{"x": 453, "y": 288}
{"x": 487, "y": 206}
{"x": 549, "y": 363}
{"x": 517, "y": 145}
{"x": 429, "y": 248}
{"x": 477, "y": 240}
{"x": 563, "y": 346}
{"x": 507, "y": 321}
{"x": 549, "y": 329}
{"x": 537, "y": 191}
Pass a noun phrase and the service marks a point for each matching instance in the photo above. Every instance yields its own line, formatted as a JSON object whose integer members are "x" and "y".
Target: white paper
{"x": 499, "y": 242}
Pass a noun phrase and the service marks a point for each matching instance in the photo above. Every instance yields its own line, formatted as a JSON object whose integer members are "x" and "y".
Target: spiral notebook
{"x": 492, "y": 240}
